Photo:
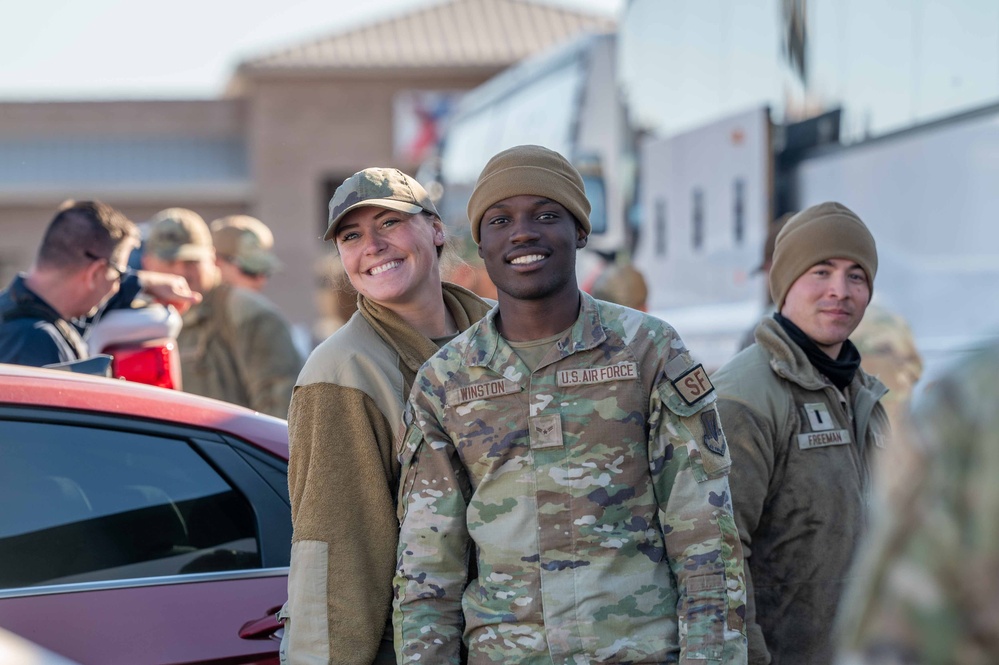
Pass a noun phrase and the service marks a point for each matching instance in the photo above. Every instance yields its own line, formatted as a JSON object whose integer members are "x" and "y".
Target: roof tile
{"x": 454, "y": 33}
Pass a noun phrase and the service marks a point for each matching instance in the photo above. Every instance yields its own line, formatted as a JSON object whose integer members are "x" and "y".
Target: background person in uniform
{"x": 888, "y": 352}
{"x": 749, "y": 337}
{"x": 235, "y": 345}
{"x": 925, "y": 588}
{"x": 243, "y": 251}
{"x": 347, "y": 412}
{"x": 803, "y": 421}
{"x": 622, "y": 284}
{"x": 572, "y": 448}
{"x": 335, "y": 298}
{"x": 80, "y": 266}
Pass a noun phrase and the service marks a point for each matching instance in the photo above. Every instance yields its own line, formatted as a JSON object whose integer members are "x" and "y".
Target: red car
{"x": 140, "y": 525}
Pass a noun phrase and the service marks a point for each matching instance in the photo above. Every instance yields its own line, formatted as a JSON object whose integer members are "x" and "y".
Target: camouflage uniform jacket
{"x": 235, "y": 346}
{"x": 801, "y": 467}
{"x": 926, "y": 589}
{"x": 343, "y": 476}
{"x": 591, "y": 493}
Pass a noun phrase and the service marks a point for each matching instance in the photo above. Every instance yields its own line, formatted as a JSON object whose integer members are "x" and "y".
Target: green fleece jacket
{"x": 802, "y": 458}
{"x": 346, "y": 413}
{"x": 235, "y": 346}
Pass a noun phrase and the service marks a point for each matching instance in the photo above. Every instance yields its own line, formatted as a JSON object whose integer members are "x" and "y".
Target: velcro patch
{"x": 713, "y": 438}
{"x": 819, "y": 417}
{"x": 584, "y": 376}
{"x": 705, "y": 583}
{"x": 838, "y": 437}
{"x": 693, "y": 385}
{"x": 483, "y": 390}
{"x": 546, "y": 431}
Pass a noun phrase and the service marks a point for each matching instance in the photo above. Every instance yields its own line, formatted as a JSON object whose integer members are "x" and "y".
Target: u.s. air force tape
{"x": 582, "y": 376}
{"x": 693, "y": 385}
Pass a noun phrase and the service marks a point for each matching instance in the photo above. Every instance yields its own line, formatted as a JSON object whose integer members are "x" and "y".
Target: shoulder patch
{"x": 481, "y": 390}
{"x": 714, "y": 440}
{"x": 693, "y": 385}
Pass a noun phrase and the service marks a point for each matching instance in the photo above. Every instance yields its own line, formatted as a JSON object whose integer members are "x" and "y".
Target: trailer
{"x": 564, "y": 99}
{"x": 930, "y": 195}
{"x": 706, "y": 199}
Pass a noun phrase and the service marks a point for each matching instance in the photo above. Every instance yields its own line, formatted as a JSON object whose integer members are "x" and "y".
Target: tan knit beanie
{"x": 825, "y": 231}
{"x": 533, "y": 170}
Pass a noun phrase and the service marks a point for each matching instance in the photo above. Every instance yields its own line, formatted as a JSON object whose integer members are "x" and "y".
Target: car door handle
{"x": 262, "y": 628}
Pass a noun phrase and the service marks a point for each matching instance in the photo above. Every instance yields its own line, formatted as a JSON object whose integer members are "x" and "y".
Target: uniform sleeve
{"x": 270, "y": 362}
{"x": 340, "y": 479}
{"x": 750, "y": 437}
{"x": 433, "y": 543}
{"x": 690, "y": 462}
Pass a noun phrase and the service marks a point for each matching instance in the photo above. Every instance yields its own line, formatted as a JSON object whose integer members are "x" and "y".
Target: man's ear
{"x": 479, "y": 250}
{"x": 580, "y": 238}
{"x": 91, "y": 274}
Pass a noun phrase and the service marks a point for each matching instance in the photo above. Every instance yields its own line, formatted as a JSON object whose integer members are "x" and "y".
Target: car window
{"x": 85, "y": 504}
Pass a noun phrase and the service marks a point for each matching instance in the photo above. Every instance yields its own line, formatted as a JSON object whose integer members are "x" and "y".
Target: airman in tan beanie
{"x": 533, "y": 170}
{"x": 824, "y": 231}
{"x": 807, "y": 429}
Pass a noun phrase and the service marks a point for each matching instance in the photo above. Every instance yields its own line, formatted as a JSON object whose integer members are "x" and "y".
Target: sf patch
{"x": 713, "y": 438}
{"x": 693, "y": 385}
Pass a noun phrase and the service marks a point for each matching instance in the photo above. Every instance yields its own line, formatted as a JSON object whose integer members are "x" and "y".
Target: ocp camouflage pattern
{"x": 926, "y": 587}
{"x": 587, "y": 492}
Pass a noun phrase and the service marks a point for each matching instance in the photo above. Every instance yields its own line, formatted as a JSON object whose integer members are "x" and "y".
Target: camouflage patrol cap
{"x": 384, "y": 188}
{"x": 179, "y": 234}
{"x": 245, "y": 242}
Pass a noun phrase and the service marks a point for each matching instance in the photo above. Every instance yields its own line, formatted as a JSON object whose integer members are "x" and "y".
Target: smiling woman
{"x": 393, "y": 257}
{"x": 346, "y": 413}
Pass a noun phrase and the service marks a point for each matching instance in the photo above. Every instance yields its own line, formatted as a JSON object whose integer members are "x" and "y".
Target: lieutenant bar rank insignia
{"x": 693, "y": 385}
{"x": 825, "y": 430}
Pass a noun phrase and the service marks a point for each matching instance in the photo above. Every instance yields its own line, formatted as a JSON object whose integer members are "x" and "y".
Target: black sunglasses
{"x": 121, "y": 272}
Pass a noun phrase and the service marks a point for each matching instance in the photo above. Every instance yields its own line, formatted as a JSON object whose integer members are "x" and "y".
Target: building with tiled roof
{"x": 292, "y": 125}
{"x": 458, "y": 34}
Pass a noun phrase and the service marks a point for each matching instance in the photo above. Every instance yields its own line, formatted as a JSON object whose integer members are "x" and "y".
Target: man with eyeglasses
{"x": 80, "y": 266}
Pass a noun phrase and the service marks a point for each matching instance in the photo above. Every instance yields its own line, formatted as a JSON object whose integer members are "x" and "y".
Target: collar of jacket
{"x": 413, "y": 346}
{"x": 21, "y": 295}
{"x": 789, "y": 361}
{"x": 586, "y": 333}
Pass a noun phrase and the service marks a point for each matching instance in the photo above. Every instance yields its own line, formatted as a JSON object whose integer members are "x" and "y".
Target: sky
{"x": 117, "y": 49}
